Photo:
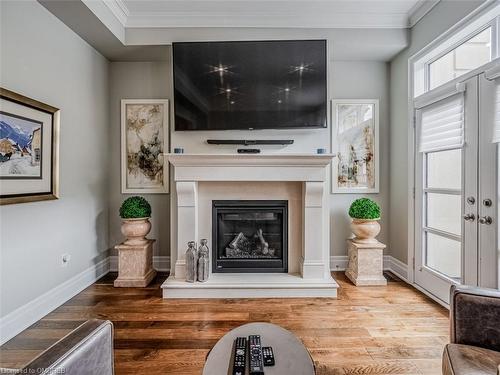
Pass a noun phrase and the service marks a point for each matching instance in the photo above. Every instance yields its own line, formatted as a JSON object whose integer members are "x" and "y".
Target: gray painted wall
{"x": 442, "y": 17}
{"x": 136, "y": 80}
{"x": 362, "y": 80}
{"x": 43, "y": 59}
{"x": 348, "y": 80}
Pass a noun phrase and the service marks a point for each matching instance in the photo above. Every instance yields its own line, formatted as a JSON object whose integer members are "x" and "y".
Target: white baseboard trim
{"x": 338, "y": 262}
{"x": 400, "y": 269}
{"x": 160, "y": 263}
{"x": 397, "y": 267}
{"x": 24, "y": 316}
{"x": 113, "y": 263}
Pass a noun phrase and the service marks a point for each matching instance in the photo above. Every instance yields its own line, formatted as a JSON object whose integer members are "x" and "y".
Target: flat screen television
{"x": 250, "y": 85}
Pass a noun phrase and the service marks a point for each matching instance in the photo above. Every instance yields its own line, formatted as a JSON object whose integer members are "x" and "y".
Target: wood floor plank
{"x": 368, "y": 330}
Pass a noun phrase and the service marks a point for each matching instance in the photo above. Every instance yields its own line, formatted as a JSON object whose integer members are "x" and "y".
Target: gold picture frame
{"x": 23, "y": 188}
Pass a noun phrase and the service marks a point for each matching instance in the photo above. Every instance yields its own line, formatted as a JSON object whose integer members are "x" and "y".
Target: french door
{"x": 456, "y": 187}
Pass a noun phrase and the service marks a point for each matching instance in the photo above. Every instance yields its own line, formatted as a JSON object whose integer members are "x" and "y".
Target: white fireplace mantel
{"x": 310, "y": 170}
{"x": 247, "y": 167}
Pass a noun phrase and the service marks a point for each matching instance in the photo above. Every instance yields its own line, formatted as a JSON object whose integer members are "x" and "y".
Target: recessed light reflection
{"x": 287, "y": 90}
{"x": 228, "y": 91}
{"x": 221, "y": 70}
{"x": 302, "y": 68}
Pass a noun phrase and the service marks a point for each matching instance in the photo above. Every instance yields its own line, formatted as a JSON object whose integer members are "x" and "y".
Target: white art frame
{"x": 128, "y": 186}
{"x": 348, "y": 186}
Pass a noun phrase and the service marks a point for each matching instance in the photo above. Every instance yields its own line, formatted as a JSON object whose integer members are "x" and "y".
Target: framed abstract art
{"x": 355, "y": 139}
{"x": 144, "y": 140}
{"x": 29, "y": 149}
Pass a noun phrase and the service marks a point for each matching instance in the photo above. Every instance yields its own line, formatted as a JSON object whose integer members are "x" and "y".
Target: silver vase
{"x": 203, "y": 261}
{"x": 191, "y": 262}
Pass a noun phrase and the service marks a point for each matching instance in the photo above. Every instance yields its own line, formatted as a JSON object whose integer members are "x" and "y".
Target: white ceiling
{"x": 267, "y": 13}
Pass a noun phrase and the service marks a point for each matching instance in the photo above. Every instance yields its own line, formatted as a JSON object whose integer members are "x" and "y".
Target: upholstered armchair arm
{"x": 475, "y": 317}
{"x": 88, "y": 350}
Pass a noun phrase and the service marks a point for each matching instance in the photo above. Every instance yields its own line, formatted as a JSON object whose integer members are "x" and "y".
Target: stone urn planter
{"x": 365, "y": 215}
{"x": 135, "y": 213}
{"x": 365, "y": 230}
{"x": 136, "y": 230}
{"x": 135, "y": 254}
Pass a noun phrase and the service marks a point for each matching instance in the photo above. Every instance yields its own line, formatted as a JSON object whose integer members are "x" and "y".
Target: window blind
{"x": 442, "y": 124}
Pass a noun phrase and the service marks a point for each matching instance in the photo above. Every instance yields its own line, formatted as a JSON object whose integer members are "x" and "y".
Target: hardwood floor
{"x": 367, "y": 330}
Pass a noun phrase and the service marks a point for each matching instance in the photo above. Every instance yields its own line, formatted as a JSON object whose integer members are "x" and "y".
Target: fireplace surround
{"x": 299, "y": 179}
{"x": 249, "y": 236}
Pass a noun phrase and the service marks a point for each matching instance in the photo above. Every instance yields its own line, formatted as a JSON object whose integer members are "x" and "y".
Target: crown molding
{"x": 419, "y": 10}
{"x": 266, "y": 19}
{"x": 110, "y": 14}
{"x": 119, "y": 9}
{"x": 297, "y": 14}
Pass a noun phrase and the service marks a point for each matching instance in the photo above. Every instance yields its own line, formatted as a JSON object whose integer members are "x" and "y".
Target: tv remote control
{"x": 256, "y": 360}
{"x": 239, "y": 356}
{"x": 268, "y": 355}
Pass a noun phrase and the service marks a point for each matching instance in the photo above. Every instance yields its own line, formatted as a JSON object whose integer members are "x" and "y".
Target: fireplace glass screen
{"x": 250, "y": 236}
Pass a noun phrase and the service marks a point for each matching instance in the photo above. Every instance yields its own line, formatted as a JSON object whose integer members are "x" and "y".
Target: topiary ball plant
{"x": 134, "y": 208}
{"x": 364, "y": 208}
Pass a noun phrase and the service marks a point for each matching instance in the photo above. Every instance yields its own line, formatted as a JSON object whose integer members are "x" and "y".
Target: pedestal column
{"x": 135, "y": 265}
{"x": 366, "y": 263}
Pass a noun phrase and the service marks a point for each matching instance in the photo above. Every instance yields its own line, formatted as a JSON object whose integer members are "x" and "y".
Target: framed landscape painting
{"x": 355, "y": 133}
{"x": 144, "y": 140}
{"x": 29, "y": 149}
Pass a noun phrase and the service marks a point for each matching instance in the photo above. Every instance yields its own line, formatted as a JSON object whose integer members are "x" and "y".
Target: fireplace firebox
{"x": 249, "y": 236}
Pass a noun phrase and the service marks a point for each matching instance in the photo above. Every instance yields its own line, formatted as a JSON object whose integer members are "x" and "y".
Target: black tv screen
{"x": 250, "y": 85}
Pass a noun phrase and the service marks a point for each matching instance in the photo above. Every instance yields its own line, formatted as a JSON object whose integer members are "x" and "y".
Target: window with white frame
{"x": 468, "y": 56}
{"x": 459, "y": 52}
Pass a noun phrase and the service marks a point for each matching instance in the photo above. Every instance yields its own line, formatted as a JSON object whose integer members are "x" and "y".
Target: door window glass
{"x": 444, "y": 169}
{"x": 444, "y": 255}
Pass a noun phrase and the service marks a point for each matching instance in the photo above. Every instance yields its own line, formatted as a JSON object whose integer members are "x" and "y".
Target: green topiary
{"x": 134, "y": 208}
{"x": 364, "y": 208}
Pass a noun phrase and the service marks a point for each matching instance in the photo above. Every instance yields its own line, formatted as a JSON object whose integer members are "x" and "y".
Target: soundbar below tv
{"x": 250, "y": 85}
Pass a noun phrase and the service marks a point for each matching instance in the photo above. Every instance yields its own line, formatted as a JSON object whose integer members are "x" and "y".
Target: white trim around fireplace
{"x": 191, "y": 171}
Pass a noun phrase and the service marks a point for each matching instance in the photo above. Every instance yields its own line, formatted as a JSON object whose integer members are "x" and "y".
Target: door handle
{"x": 486, "y": 220}
{"x": 469, "y": 217}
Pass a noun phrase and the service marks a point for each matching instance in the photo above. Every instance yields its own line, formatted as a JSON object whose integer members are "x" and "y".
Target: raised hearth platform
{"x": 251, "y": 285}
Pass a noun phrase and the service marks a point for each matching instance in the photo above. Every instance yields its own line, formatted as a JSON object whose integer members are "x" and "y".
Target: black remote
{"x": 255, "y": 353}
{"x": 239, "y": 356}
{"x": 268, "y": 355}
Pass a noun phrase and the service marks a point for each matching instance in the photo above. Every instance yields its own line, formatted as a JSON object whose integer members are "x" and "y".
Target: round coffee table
{"x": 290, "y": 355}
